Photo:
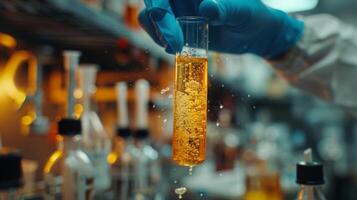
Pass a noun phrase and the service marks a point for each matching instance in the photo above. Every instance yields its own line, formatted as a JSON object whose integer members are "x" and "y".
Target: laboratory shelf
{"x": 70, "y": 23}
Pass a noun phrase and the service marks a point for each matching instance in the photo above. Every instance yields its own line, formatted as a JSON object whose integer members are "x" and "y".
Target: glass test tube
{"x": 190, "y": 93}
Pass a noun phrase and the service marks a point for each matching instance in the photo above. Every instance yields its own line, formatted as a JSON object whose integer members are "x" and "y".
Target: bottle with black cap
{"x": 68, "y": 173}
{"x": 10, "y": 174}
{"x": 121, "y": 157}
{"x": 310, "y": 177}
{"x": 147, "y": 167}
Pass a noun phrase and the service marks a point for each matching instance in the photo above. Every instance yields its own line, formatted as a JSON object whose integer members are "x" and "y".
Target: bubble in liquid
{"x": 180, "y": 191}
{"x": 190, "y": 169}
{"x": 221, "y": 106}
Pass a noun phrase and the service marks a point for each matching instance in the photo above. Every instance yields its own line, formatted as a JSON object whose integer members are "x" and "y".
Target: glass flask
{"x": 68, "y": 173}
{"x": 190, "y": 93}
{"x": 309, "y": 175}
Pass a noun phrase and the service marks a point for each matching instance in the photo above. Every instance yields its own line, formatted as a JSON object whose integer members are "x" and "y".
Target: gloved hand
{"x": 236, "y": 26}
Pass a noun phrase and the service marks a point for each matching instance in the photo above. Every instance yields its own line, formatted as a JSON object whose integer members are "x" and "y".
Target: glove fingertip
{"x": 147, "y": 25}
{"x": 210, "y": 10}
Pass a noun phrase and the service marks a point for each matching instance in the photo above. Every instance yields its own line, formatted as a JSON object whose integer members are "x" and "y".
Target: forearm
{"x": 324, "y": 61}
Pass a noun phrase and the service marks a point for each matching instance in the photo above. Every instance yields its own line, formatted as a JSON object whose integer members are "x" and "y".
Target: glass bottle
{"x": 190, "y": 94}
{"x": 10, "y": 174}
{"x": 121, "y": 157}
{"x": 122, "y": 165}
{"x": 309, "y": 175}
{"x": 68, "y": 173}
{"x": 96, "y": 142}
{"x": 146, "y": 158}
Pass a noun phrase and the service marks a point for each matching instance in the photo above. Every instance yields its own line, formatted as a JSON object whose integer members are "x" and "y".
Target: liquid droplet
{"x": 190, "y": 169}
{"x": 254, "y": 107}
{"x": 170, "y": 96}
{"x": 180, "y": 191}
{"x": 163, "y": 91}
{"x": 221, "y": 106}
{"x": 201, "y": 194}
{"x": 222, "y": 85}
{"x": 175, "y": 181}
{"x": 217, "y": 124}
{"x": 220, "y": 174}
{"x": 154, "y": 106}
{"x": 165, "y": 120}
{"x": 248, "y": 95}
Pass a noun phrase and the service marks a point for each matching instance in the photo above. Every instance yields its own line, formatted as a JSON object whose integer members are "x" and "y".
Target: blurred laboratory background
{"x": 120, "y": 83}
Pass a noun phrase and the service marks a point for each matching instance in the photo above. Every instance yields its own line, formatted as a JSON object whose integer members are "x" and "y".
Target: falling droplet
{"x": 159, "y": 116}
{"x": 201, "y": 194}
{"x": 222, "y": 85}
{"x": 248, "y": 95}
{"x": 220, "y": 174}
{"x": 190, "y": 169}
{"x": 180, "y": 191}
{"x": 175, "y": 181}
{"x": 217, "y": 124}
{"x": 221, "y": 106}
{"x": 154, "y": 106}
{"x": 165, "y": 120}
{"x": 254, "y": 107}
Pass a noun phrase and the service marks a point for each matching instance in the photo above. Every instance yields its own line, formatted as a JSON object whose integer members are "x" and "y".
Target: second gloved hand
{"x": 236, "y": 26}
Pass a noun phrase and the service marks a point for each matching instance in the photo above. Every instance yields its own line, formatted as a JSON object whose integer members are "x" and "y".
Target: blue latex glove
{"x": 236, "y": 26}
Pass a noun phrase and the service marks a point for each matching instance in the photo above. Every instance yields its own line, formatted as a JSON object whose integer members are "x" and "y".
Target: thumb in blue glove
{"x": 236, "y": 26}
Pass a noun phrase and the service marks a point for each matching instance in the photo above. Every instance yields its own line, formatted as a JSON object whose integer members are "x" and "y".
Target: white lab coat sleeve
{"x": 324, "y": 62}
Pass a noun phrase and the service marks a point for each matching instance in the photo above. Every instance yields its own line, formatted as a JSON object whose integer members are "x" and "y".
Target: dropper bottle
{"x": 310, "y": 177}
{"x": 121, "y": 157}
{"x": 147, "y": 167}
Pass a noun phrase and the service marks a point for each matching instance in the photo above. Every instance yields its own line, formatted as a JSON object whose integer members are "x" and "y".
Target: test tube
{"x": 190, "y": 93}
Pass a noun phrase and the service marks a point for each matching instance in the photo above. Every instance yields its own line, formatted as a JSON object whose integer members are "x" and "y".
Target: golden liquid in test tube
{"x": 190, "y": 93}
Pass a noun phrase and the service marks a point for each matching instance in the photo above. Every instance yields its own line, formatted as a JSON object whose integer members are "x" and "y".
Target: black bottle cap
{"x": 141, "y": 134}
{"x": 69, "y": 127}
{"x": 309, "y": 173}
{"x": 10, "y": 169}
{"x": 123, "y": 132}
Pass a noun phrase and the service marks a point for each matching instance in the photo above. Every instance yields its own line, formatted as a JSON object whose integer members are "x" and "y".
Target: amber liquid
{"x": 190, "y": 110}
{"x": 263, "y": 187}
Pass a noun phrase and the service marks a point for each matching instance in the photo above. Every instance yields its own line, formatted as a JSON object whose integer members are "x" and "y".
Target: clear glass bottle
{"x": 310, "y": 178}
{"x": 122, "y": 165}
{"x": 96, "y": 142}
{"x": 146, "y": 158}
{"x": 68, "y": 173}
{"x": 121, "y": 157}
{"x": 10, "y": 174}
{"x": 147, "y": 170}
